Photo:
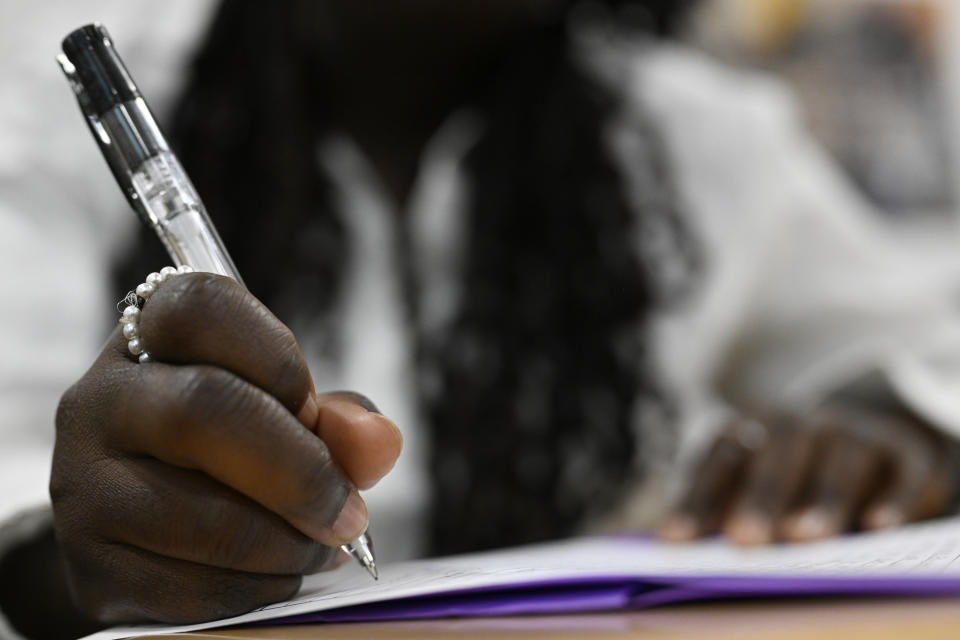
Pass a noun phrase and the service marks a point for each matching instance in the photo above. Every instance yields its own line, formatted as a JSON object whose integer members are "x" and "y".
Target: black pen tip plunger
{"x": 99, "y": 69}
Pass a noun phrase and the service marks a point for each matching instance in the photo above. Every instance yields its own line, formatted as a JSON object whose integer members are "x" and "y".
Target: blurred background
{"x": 879, "y": 82}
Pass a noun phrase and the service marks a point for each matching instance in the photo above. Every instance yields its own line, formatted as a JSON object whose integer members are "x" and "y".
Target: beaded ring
{"x": 133, "y": 304}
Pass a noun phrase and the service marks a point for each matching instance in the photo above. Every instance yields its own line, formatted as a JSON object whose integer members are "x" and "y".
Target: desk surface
{"x": 872, "y": 619}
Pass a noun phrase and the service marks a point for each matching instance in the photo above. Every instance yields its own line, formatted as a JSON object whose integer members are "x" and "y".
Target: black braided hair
{"x": 533, "y": 421}
{"x": 535, "y": 384}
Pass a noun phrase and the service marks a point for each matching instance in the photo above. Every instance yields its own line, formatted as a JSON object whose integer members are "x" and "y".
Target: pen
{"x": 148, "y": 172}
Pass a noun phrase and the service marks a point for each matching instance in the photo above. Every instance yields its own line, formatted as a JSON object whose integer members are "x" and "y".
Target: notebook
{"x": 615, "y": 573}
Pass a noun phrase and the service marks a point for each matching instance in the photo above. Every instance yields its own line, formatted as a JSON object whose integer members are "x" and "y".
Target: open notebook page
{"x": 907, "y": 560}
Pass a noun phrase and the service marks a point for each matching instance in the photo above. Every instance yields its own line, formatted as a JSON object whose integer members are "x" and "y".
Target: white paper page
{"x": 928, "y": 549}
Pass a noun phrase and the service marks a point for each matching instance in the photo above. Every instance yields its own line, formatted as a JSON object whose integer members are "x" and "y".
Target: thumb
{"x": 364, "y": 443}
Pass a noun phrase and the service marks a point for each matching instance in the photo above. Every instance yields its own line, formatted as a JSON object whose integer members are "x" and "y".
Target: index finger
{"x": 206, "y": 418}
{"x": 203, "y": 318}
{"x": 706, "y": 499}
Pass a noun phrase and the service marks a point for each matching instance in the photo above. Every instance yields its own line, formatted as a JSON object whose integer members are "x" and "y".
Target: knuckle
{"x": 96, "y": 405}
{"x": 59, "y": 487}
{"x": 64, "y": 496}
{"x": 84, "y": 505}
{"x": 77, "y": 454}
{"x": 196, "y": 402}
{"x": 291, "y": 376}
{"x": 207, "y": 391}
{"x": 194, "y": 291}
{"x": 183, "y": 303}
{"x": 69, "y": 407}
{"x": 80, "y": 404}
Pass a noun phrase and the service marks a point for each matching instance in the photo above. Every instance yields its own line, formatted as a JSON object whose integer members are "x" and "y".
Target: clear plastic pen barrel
{"x": 178, "y": 216}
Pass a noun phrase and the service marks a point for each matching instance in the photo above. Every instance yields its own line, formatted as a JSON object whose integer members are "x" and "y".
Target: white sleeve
{"x": 804, "y": 290}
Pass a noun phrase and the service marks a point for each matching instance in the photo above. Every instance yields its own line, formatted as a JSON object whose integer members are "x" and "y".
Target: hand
{"x": 788, "y": 478}
{"x": 206, "y": 483}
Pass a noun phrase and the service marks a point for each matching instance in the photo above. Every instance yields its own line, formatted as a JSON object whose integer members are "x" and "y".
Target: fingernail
{"x": 750, "y": 530}
{"x": 679, "y": 529}
{"x": 884, "y": 517}
{"x": 352, "y": 520}
{"x": 811, "y": 524}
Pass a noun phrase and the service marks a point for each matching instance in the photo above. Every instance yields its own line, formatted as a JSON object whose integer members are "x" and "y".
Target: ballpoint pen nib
{"x": 371, "y": 567}
{"x": 362, "y": 550}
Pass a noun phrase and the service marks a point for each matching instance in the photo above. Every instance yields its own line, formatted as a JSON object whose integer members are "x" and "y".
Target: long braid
{"x": 531, "y": 426}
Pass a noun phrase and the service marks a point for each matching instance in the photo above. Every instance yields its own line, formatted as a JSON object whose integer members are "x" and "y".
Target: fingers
{"x": 204, "y": 522}
{"x": 848, "y": 472}
{"x": 364, "y": 443}
{"x": 776, "y": 475}
{"x": 708, "y": 497}
{"x": 913, "y": 494}
{"x": 918, "y": 482}
{"x": 205, "y": 418}
{"x": 814, "y": 478}
{"x": 202, "y": 318}
{"x": 206, "y": 319}
{"x": 114, "y": 583}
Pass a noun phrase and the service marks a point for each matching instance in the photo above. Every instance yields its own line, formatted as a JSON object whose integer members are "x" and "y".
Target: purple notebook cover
{"x": 610, "y": 594}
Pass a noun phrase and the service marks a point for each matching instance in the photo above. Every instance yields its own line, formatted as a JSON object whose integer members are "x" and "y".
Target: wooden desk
{"x": 872, "y": 619}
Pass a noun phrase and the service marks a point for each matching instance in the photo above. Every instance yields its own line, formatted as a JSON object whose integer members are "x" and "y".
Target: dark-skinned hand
{"x": 209, "y": 481}
{"x": 775, "y": 477}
